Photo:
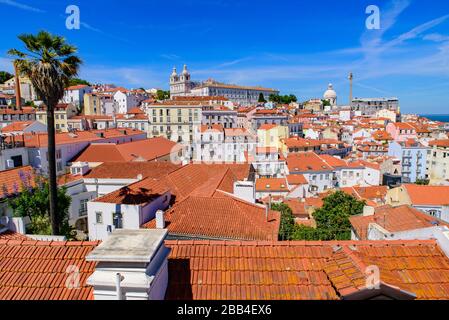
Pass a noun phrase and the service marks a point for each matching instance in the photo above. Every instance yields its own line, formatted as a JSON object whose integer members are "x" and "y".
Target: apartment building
{"x": 438, "y": 162}
{"x": 99, "y": 103}
{"x": 63, "y": 112}
{"x": 413, "y": 156}
{"x": 176, "y": 121}
{"x": 75, "y": 95}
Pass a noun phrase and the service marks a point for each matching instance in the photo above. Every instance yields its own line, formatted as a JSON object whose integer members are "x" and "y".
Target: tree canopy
{"x": 77, "y": 81}
{"x": 31, "y": 200}
{"x": 286, "y": 99}
{"x": 326, "y": 103}
{"x": 5, "y": 76}
{"x": 162, "y": 95}
{"x": 261, "y": 98}
{"x": 332, "y": 219}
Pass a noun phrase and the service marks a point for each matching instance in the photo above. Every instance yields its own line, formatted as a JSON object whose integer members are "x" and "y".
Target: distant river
{"x": 436, "y": 117}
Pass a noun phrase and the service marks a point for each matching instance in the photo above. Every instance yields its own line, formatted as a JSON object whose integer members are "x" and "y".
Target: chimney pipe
{"x": 160, "y": 222}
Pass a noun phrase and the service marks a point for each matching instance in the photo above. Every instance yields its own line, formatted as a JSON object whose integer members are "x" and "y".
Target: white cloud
{"x": 436, "y": 37}
{"x": 20, "y": 6}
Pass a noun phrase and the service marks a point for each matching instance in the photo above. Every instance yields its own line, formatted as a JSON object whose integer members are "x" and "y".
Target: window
{"x": 99, "y": 217}
{"x": 59, "y": 166}
{"x": 83, "y": 207}
{"x": 58, "y": 154}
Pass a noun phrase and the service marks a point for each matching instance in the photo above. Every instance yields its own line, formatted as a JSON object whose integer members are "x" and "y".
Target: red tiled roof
{"x": 138, "y": 193}
{"x": 271, "y": 184}
{"x": 396, "y": 219}
{"x": 221, "y": 217}
{"x": 297, "y": 142}
{"x": 16, "y": 126}
{"x": 267, "y": 126}
{"x": 428, "y": 195}
{"x": 38, "y": 270}
{"x": 11, "y": 181}
{"x": 211, "y": 128}
{"x": 439, "y": 143}
{"x": 194, "y": 178}
{"x": 307, "y": 161}
{"x": 141, "y": 150}
{"x": 41, "y": 139}
{"x": 128, "y": 170}
{"x": 295, "y": 179}
{"x": 11, "y": 235}
{"x": 302, "y": 270}
{"x": 367, "y": 193}
{"x": 77, "y": 87}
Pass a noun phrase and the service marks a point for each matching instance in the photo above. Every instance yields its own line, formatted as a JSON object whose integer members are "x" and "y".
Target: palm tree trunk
{"x": 52, "y": 170}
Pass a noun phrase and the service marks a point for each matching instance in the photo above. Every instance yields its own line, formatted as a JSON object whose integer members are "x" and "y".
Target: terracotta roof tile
{"x": 271, "y": 184}
{"x": 141, "y": 150}
{"x": 302, "y": 270}
{"x": 221, "y": 217}
{"x": 11, "y": 180}
{"x": 428, "y": 195}
{"x": 34, "y": 270}
{"x": 396, "y": 219}
{"x": 131, "y": 170}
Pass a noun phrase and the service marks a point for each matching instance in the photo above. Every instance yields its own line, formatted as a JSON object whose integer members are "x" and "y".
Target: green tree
{"x": 326, "y": 103}
{"x": 32, "y": 202}
{"x": 332, "y": 218}
{"x": 49, "y": 62}
{"x": 286, "y": 99}
{"x": 422, "y": 182}
{"x": 77, "y": 81}
{"x": 5, "y": 76}
{"x": 261, "y": 98}
{"x": 274, "y": 98}
{"x": 162, "y": 95}
{"x": 287, "y": 225}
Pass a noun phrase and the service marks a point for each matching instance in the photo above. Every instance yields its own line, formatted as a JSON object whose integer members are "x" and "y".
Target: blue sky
{"x": 295, "y": 46}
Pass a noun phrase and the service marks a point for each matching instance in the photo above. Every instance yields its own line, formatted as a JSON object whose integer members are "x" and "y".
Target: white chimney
{"x": 131, "y": 265}
{"x": 245, "y": 190}
{"x": 368, "y": 211}
{"x": 160, "y": 222}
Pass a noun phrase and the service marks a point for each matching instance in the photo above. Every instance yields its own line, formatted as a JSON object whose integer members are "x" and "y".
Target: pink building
{"x": 401, "y": 131}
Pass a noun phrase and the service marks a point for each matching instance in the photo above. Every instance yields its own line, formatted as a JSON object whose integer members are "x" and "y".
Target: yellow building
{"x": 270, "y": 135}
{"x": 438, "y": 162}
{"x": 176, "y": 121}
{"x": 63, "y": 111}
{"x": 97, "y": 104}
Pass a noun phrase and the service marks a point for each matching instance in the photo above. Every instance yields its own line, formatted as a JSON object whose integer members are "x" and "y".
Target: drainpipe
{"x": 118, "y": 279}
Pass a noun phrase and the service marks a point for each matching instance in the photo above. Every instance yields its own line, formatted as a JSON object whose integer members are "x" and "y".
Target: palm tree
{"x": 49, "y": 62}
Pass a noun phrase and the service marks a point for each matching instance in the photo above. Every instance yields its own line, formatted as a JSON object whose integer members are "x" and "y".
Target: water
{"x": 436, "y": 117}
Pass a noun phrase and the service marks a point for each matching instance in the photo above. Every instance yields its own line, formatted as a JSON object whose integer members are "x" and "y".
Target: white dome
{"x": 330, "y": 93}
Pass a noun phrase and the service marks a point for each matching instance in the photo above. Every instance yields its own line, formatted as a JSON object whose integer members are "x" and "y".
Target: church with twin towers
{"x": 182, "y": 85}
